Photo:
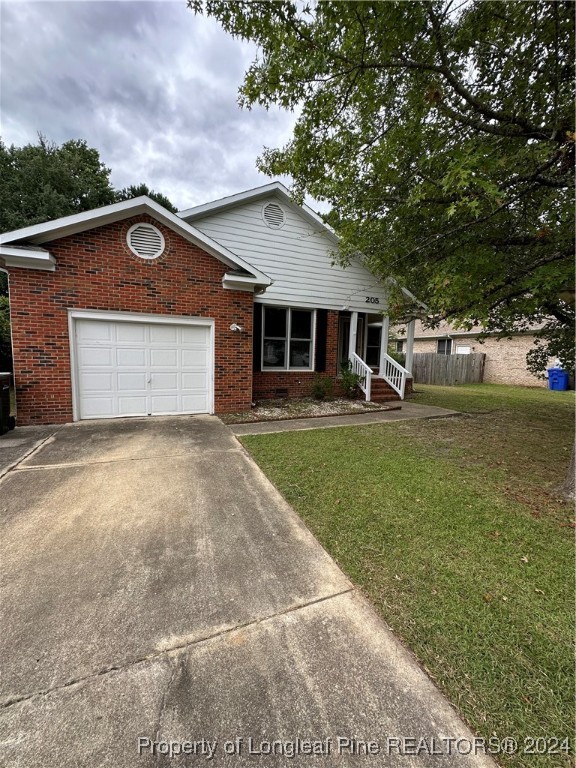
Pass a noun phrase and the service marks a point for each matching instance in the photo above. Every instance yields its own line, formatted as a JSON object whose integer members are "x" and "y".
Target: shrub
{"x": 350, "y": 381}
{"x": 322, "y": 388}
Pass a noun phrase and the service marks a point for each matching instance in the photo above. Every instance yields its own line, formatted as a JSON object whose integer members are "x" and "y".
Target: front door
{"x": 373, "y": 345}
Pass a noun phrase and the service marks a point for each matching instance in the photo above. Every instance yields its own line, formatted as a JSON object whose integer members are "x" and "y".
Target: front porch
{"x": 287, "y": 363}
{"x": 363, "y": 340}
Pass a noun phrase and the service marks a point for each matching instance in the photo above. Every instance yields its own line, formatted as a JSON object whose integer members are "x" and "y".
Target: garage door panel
{"x": 194, "y": 334}
{"x": 193, "y": 403}
{"x": 90, "y": 381}
{"x": 165, "y": 334}
{"x": 130, "y": 357}
{"x": 165, "y": 404}
{"x": 132, "y": 405}
{"x": 197, "y": 380}
{"x": 164, "y": 381}
{"x": 134, "y": 381}
{"x": 164, "y": 358}
{"x": 97, "y": 407}
{"x": 96, "y": 357}
{"x": 94, "y": 330}
{"x": 131, "y": 332}
{"x": 195, "y": 358}
{"x": 127, "y": 368}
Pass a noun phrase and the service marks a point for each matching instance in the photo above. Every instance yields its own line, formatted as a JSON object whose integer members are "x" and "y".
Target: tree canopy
{"x": 136, "y": 190}
{"x": 43, "y": 181}
{"x": 442, "y": 135}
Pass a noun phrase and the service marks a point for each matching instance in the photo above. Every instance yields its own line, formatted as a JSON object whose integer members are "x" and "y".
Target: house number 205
{"x": 372, "y": 300}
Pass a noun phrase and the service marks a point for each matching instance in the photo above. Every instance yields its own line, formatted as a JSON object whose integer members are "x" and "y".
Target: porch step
{"x": 381, "y": 391}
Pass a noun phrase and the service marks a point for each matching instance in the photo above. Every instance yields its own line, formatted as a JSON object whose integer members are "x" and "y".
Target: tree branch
{"x": 496, "y": 130}
{"x": 477, "y": 105}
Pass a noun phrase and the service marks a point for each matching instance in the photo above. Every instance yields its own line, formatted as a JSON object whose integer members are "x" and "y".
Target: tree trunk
{"x": 567, "y": 488}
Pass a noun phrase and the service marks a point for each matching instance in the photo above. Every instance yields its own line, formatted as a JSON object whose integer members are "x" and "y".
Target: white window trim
{"x": 287, "y": 368}
{"x": 133, "y": 317}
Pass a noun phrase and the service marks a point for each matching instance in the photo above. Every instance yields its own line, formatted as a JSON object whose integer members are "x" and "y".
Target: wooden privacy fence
{"x": 431, "y": 368}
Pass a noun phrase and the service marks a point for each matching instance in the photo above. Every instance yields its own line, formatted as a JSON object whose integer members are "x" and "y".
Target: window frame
{"x": 447, "y": 342}
{"x": 287, "y": 368}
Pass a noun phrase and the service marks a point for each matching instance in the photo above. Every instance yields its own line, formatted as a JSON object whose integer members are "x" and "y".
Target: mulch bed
{"x": 304, "y": 408}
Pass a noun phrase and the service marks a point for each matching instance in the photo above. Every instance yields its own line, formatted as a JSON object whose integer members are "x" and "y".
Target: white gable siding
{"x": 297, "y": 257}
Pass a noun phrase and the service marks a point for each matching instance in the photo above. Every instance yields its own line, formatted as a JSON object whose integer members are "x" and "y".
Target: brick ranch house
{"x": 129, "y": 310}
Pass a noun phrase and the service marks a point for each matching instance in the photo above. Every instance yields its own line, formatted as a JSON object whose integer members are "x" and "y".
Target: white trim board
{"x": 98, "y": 217}
{"x": 27, "y": 258}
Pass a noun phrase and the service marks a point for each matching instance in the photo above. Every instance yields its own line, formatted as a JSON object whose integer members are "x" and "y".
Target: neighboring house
{"x": 129, "y": 310}
{"x": 505, "y": 361}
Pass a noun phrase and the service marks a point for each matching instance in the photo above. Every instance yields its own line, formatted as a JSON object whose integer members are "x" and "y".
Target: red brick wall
{"x": 299, "y": 383}
{"x": 96, "y": 270}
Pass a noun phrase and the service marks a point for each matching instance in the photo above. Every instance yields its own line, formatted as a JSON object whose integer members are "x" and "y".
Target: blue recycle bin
{"x": 557, "y": 379}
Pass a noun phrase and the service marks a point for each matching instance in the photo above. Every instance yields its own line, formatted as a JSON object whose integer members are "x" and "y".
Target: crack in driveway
{"x": 171, "y": 650}
{"x": 187, "y": 454}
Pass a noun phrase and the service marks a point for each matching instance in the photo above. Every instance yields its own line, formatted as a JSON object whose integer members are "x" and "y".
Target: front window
{"x": 444, "y": 347}
{"x": 287, "y": 339}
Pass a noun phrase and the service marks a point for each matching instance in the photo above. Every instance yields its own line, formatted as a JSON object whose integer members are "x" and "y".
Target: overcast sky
{"x": 149, "y": 84}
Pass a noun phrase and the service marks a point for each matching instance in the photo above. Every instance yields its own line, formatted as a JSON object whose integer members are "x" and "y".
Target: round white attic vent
{"x": 146, "y": 241}
{"x": 273, "y": 215}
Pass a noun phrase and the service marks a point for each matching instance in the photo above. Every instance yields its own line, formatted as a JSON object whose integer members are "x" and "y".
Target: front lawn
{"x": 451, "y": 528}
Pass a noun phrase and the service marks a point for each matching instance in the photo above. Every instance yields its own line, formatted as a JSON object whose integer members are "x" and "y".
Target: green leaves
{"x": 43, "y": 181}
{"x": 136, "y": 190}
{"x": 442, "y": 136}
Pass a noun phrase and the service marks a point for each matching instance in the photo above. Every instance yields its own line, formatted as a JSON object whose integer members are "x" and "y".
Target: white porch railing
{"x": 360, "y": 368}
{"x": 394, "y": 374}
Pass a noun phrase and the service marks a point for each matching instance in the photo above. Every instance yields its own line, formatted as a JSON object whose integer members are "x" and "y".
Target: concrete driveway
{"x": 154, "y": 586}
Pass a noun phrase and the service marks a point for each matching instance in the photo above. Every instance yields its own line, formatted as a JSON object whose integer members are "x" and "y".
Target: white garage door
{"x": 128, "y": 368}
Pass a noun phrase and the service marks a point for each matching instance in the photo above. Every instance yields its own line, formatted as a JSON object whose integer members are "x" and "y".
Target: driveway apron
{"x": 162, "y": 604}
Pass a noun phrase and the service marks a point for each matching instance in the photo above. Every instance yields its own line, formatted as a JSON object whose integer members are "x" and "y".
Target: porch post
{"x": 353, "y": 333}
{"x": 409, "y": 345}
{"x": 383, "y": 343}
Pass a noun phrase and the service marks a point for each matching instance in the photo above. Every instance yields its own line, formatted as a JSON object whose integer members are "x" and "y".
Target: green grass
{"x": 452, "y": 529}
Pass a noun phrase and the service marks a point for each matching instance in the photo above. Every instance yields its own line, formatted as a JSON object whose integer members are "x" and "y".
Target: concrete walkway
{"x": 158, "y": 594}
{"x": 407, "y": 411}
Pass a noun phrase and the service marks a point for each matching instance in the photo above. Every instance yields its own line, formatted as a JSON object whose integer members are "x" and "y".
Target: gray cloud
{"x": 149, "y": 84}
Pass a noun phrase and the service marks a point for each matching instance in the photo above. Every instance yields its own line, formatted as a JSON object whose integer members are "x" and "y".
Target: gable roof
{"x": 38, "y": 234}
{"x": 275, "y": 188}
